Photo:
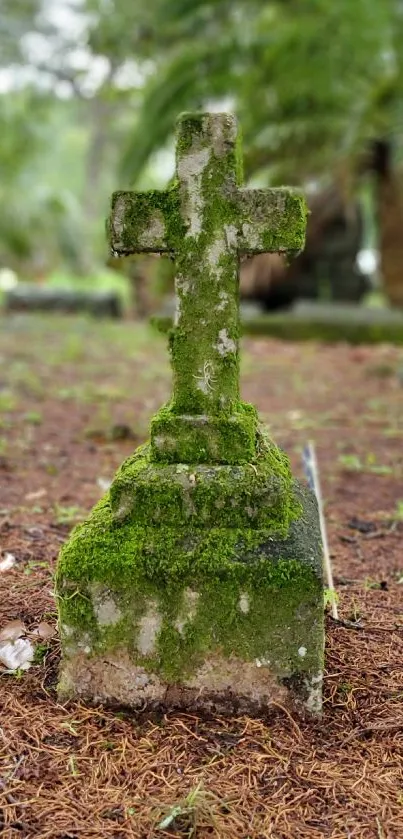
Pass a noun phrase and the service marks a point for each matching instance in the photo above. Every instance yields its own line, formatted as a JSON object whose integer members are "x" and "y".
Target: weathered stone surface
{"x": 251, "y": 495}
{"x": 206, "y": 220}
{"x": 229, "y": 620}
{"x": 197, "y": 580}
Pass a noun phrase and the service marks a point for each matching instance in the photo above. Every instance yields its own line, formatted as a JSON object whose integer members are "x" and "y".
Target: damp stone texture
{"x": 196, "y": 582}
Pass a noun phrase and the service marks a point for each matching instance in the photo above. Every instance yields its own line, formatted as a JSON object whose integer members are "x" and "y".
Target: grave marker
{"x": 206, "y": 221}
{"x": 197, "y": 581}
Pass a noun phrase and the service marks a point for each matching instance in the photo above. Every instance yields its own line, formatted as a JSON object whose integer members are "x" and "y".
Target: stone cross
{"x": 196, "y": 582}
{"x": 206, "y": 221}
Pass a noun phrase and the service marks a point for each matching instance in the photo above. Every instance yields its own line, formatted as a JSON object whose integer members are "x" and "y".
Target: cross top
{"x": 206, "y": 221}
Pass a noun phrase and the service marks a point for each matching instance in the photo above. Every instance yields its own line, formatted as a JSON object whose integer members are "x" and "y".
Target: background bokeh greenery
{"x": 90, "y": 90}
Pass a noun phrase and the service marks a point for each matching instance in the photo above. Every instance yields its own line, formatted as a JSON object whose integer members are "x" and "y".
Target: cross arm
{"x": 271, "y": 221}
{"x": 139, "y": 222}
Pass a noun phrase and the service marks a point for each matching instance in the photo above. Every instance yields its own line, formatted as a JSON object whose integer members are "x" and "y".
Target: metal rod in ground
{"x": 312, "y": 474}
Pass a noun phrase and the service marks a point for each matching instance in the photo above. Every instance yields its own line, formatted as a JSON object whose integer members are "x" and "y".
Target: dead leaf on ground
{"x": 12, "y": 630}
{"x": 7, "y": 562}
{"x": 33, "y": 496}
{"x": 44, "y": 630}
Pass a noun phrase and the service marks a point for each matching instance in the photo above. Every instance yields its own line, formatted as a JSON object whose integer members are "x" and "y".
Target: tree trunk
{"x": 390, "y": 221}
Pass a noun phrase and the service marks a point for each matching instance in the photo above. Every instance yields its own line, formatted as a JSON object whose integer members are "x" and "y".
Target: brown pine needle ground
{"x": 74, "y": 772}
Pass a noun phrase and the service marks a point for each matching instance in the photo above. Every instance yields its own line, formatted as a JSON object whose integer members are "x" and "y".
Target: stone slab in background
{"x": 310, "y": 320}
{"x": 30, "y": 298}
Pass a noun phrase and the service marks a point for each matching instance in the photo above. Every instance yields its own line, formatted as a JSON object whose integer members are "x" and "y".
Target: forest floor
{"x": 75, "y": 398}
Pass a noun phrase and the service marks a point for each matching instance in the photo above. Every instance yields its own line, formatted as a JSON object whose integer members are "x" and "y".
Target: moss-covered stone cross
{"x": 206, "y": 221}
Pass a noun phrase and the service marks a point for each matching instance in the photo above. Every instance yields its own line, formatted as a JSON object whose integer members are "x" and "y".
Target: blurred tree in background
{"x": 90, "y": 91}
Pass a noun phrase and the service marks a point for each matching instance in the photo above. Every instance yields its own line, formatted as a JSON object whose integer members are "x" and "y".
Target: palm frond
{"x": 192, "y": 77}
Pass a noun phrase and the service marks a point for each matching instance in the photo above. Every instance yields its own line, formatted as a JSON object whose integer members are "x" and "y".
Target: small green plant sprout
{"x": 40, "y": 653}
{"x": 33, "y": 418}
{"x": 370, "y": 584}
{"x": 72, "y": 766}
{"x": 382, "y": 370}
{"x": 68, "y": 515}
{"x": 330, "y": 596}
{"x": 355, "y": 613}
{"x": 398, "y": 515}
{"x": 51, "y": 469}
{"x": 8, "y": 401}
{"x": 345, "y": 688}
{"x": 70, "y": 727}
{"x": 195, "y": 811}
{"x": 353, "y": 463}
{"x": 34, "y": 565}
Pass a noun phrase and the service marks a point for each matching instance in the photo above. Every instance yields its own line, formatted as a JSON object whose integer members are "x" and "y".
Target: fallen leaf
{"x": 44, "y": 630}
{"x": 16, "y": 655}
{"x": 7, "y": 562}
{"x": 12, "y": 630}
{"x": 33, "y": 496}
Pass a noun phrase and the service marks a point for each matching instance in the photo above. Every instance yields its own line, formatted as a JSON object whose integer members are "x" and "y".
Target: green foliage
{"x": 353, "y": 463}
{"x": 68, "y": 515}
{"x": 18, "y": 17}
{"x": 330, "y": 596}
{"x": 297, "y": 72}
{"x": 198, "y": 806}
{"x": 310, "y": 80}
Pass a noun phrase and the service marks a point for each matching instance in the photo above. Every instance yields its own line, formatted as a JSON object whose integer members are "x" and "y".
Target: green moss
{"x": 150, "y": 560}
{"x": 190, "y": 125}
{"x": 196, "y": 544}
{"x": 142, "y": 565}
{"x": 194, "y": 438}
{"x": 247, "y": 636}
{"x": 206, "y": 382}
{"x": 257, "y": 495}
{"x": 206, "y": 220}
{"x": 286, "y": 233}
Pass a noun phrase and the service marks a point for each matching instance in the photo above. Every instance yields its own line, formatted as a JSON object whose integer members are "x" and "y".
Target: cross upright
{"x": 206, "y": 221}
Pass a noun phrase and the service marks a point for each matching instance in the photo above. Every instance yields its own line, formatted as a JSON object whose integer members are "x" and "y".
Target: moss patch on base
{"x": 200, "y": 438}
{"x": 173, "y": 595}
{"x": 256, "y": 495}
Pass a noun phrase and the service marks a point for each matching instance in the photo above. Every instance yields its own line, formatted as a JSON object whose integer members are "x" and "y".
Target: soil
{"x": 75, "y": 398}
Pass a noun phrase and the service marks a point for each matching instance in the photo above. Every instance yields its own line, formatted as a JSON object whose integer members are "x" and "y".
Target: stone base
{"x": 202, "y": 614}
{"x": 178, "y": 438}
{"x": 219, "y": 686}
